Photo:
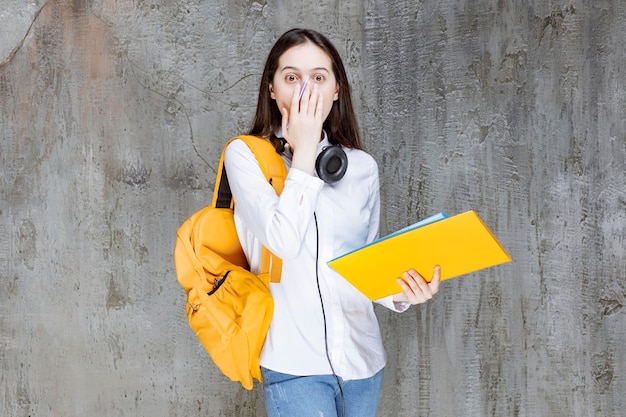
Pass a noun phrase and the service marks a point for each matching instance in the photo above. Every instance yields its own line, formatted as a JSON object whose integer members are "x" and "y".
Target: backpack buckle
{"x": 217, "y": 283}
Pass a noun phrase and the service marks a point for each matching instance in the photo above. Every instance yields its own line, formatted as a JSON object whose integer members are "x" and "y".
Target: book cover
{"x": 460, "y": 244}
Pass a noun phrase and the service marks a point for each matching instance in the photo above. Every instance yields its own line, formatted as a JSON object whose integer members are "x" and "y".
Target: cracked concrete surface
{"x": 112, "y": 118}
{"x": 16, "y": 20}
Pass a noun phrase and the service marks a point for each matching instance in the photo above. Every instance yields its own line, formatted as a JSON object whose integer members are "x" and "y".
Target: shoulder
{"x": 238, "y": 151}
{"x": 237, "y": 146}
{"x": 239, "y": 157}
{"x": 255, "y": 156}
{"x": 362, "y": 158}
{"x": 362, "y": 167}
{"x": 247, "y": 144}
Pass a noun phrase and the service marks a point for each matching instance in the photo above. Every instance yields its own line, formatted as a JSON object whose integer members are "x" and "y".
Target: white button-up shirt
{"x": 347, "y": 215}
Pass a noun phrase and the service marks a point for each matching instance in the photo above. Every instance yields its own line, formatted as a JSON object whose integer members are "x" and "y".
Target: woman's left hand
{"x": 416, "y": 289}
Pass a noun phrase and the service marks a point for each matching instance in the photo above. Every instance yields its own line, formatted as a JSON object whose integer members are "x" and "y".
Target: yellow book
{"x": 459, "y": 244}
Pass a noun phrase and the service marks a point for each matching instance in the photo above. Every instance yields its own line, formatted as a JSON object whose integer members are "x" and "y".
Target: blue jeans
{"x": 319, "y": 395}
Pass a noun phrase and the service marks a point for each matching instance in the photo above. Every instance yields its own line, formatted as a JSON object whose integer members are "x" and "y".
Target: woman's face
{"x": 294, "y": 65}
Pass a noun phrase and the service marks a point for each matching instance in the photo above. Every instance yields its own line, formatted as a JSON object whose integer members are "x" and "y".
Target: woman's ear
{"x": 272, "y": 95}
{"x": 336, "y": 96}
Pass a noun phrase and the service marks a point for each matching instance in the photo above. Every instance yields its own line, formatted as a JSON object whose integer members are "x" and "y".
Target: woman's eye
{"x": 319, "y": 78}
{"x": 291, "y": 78}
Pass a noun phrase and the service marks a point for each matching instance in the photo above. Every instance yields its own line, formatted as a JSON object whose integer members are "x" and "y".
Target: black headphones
{"x": 331, "y": 164}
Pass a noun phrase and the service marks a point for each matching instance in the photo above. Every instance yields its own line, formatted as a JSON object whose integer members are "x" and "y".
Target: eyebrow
{"x": 288, "y": 67}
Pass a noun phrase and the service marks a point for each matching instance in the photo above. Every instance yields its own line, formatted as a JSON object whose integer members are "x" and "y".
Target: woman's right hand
{"x": 302, "y": 126}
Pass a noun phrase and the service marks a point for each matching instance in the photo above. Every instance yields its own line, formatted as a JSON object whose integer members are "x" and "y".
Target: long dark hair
{"x": 341, "y": 122}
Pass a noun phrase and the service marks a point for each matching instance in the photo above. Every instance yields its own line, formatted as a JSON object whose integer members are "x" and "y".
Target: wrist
{"x": 304, "y": 161}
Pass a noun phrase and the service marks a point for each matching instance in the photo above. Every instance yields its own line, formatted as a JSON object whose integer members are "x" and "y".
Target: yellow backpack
{"x": 228, "y": 307}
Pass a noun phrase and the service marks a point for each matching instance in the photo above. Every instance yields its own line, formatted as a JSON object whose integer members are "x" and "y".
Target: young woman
{"x": 323, "y": 354}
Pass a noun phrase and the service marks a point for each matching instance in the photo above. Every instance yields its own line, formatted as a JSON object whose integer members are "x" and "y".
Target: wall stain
{"x": 116, "y": 347}
{"x": 124, "y": 246}
{"x": 116, "y": 298}
{"x": 555, "y": 22}
{"x": 124, "y": 254}
{"x": 184, "y": 178}
{"x": 27, "y": 243}
{"x": 135, "y": 176}
{"x": 610, "y": 306}
{"x": 602, "y": 370}
{"x": 15, "y": 50}
{"x": 81, "y": 7}
{"x": 23, "y": 398}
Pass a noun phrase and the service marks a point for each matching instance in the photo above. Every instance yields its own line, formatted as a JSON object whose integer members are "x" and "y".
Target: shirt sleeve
{"x": 374, "y": 203}
{"x": 279, "y": 223}
{"x": 398, "y": 307}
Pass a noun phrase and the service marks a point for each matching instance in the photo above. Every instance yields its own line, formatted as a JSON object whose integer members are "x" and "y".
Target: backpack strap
{"x": 275, "y": 171}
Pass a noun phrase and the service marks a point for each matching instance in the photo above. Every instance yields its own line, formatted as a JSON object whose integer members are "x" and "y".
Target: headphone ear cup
{"x": 331, "y": 164}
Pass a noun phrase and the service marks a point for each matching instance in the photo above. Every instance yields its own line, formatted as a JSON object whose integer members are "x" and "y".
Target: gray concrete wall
{"x": 112, "y": 117}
